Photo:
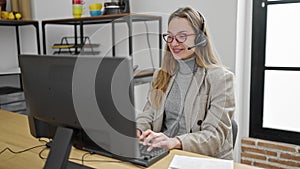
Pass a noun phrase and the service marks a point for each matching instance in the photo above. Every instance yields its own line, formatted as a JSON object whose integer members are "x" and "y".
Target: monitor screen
{"x": 93, "y": 96}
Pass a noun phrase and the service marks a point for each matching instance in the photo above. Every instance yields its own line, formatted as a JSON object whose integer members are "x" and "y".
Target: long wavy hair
{"x": 205, "y": 57}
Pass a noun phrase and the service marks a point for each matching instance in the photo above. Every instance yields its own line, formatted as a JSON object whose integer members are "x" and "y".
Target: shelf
{"x": 143, "y": 76}
{"x": 80, "y": 53}
{"x": 69, "y": 46}
{"x": 91, "y": 45}
{"x": 142, "y": 80}
{"x": 12, "y": 100}
{"x": 10, "y": 97}
{"x": 143, "y": 73}
{"x": 8, "y": 90}
{"x": 77, "y": 48}
{"x": 112, "y": 19}
{"x": 17, "y": 24}
{"x": 104, "y": 19}
{"x": 10, "y": 71}
{"x": 64, "y": 46}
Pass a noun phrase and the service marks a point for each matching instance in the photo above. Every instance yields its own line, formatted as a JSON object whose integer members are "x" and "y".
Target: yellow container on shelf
{"x": 77, "y": 13}
{"x": 95, "y": 6}
{"x": 77, "y": 10}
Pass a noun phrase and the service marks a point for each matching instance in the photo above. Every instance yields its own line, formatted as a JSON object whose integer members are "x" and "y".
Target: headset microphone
{"x": 191, "y": 47}
{"x": 198, "y": 44}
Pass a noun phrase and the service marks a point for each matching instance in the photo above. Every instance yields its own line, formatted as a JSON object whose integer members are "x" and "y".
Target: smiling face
{"x": 181, "y": 26}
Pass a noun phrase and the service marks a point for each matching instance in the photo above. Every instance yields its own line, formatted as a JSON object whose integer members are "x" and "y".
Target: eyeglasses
{"x": 180, "y": 37}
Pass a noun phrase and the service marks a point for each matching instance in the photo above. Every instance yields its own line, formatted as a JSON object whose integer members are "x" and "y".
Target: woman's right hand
{"x": 138, "y": 133}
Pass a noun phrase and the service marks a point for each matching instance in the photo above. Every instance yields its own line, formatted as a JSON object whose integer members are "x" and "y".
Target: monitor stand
{"x": 60, "y": 151}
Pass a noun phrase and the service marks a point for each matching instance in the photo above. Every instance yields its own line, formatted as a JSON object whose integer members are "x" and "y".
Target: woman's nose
{"x": 174, "y": 42}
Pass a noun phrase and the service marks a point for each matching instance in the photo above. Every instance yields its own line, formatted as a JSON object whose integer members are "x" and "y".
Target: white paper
{"x": 186, "y": 162}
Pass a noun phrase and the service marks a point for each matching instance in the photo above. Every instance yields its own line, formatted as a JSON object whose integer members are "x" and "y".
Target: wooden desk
{"x": 14, "y": 133}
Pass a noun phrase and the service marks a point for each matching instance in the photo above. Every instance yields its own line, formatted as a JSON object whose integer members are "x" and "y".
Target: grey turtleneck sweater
{"x": 174, "y": 120}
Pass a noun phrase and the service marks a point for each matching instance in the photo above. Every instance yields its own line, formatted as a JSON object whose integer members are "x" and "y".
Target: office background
{"x": 229, "y": 23}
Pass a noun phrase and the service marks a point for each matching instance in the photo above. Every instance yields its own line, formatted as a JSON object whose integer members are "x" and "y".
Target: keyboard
{"x": 146, "y": 159}
{"x": 149, "y": 157}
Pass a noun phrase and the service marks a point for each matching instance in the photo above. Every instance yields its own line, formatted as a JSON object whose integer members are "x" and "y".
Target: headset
{"x": 200, "y": 39}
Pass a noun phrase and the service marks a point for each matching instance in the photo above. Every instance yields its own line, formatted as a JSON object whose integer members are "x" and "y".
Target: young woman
{"x": 191, "y": 100}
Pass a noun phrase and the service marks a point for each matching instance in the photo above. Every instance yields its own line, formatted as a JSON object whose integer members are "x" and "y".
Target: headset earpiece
{"x": 201, "y": 39}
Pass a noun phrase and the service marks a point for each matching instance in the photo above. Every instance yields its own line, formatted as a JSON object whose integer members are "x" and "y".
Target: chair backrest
{"x": 234, "y": 130}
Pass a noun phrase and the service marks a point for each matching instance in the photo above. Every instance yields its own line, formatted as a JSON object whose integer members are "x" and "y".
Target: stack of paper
{"x": 185, "y": 162}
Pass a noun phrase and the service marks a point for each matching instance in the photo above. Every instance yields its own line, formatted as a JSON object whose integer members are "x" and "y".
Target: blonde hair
{"x": 205, "y": 57}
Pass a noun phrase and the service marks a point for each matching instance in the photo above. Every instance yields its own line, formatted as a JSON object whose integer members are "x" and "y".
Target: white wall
{"x": 220, "y": 17}
{"x": 243, "y": 70}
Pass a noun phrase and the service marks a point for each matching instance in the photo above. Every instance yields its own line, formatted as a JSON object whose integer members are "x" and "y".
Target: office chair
{"x": 234, "y": 130}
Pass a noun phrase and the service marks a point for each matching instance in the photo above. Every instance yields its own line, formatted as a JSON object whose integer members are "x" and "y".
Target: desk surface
{"x": 14, "y": 133}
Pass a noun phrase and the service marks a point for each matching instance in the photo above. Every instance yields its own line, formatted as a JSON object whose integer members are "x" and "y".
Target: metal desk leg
{"x": 160, "y": 40}
{"x": 75, "y": 39}
{"x": 38, "y": 37}
{"x": 113, "y": 38}
{"x": 81, "y": 36}
{"x": 44, "y": 38}
{"x": 19, "y": 51}
{"x": 18, "y": 40}
{"x": 128, "y": 20}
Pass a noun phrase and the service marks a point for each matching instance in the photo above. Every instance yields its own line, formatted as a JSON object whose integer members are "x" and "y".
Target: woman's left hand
{"x": 154, "y": 139}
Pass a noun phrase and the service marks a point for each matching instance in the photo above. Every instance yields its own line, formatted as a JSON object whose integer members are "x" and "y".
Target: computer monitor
{"x": 87, "y": 100}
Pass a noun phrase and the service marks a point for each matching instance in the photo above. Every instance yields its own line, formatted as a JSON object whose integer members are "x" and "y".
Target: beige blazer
{"x": 208, "y": 109}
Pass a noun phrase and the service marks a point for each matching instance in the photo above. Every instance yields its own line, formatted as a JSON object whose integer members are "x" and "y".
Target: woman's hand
{"x": 138, "y": 133}
{"x": 154, "y": 139}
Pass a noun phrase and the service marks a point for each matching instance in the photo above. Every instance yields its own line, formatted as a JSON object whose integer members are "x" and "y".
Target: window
{"x": 275, "y": 71}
